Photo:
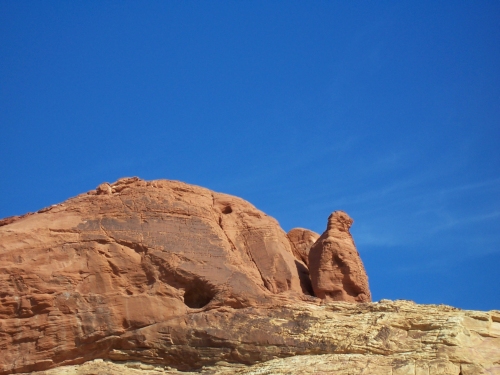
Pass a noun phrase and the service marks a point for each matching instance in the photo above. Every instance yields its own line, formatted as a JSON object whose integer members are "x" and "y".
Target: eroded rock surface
{"x": 302, "y": 240}
{"x": 399, "y": 338}
{"x": 337, "y": 272}
{"x": 161, "y": 276}
{"x": 77, "y": 275}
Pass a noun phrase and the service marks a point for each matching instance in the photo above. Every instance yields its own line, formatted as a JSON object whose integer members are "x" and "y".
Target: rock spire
{"x": 337, "y": 272}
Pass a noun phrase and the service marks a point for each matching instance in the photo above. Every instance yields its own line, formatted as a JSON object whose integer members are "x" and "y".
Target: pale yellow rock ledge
{"x": 386, "y": 338}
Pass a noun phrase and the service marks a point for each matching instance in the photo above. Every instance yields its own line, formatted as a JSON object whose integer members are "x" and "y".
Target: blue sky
{"x": 387, "y": 110}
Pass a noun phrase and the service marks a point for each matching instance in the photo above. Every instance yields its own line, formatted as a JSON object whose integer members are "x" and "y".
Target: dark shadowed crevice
{"x": 305, "y": 279}
{"x": 198, "y": 294}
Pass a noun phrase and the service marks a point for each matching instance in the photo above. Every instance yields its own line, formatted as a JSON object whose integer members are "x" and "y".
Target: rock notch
{"x": 337, "y": 272}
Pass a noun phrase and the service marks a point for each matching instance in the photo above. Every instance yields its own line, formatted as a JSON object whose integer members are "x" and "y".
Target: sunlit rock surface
{"x": 337, "y": 272}
{"x": 162, "y": 276}
{"x": 338, "y": 338}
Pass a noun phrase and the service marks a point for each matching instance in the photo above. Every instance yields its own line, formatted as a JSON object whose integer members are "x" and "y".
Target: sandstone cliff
{"x": 169, "y": 274}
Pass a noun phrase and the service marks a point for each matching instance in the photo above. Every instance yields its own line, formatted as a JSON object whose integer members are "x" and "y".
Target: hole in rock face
{"x": 227, "y": 210}
{"x": 198, "y": 295}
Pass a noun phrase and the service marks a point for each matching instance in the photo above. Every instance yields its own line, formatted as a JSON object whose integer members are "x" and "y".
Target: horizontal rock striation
{"x": 400, "y": 338}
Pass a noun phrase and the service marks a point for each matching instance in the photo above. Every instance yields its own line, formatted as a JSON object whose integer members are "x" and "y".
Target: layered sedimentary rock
{"x": 399, "y": 338}
{"x": 337, "y": 272}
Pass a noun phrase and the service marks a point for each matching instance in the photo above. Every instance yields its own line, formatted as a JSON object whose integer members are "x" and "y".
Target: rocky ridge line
{"x": 175, "y": 275}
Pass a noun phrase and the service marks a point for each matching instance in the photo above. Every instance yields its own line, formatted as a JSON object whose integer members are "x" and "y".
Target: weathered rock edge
{"x": 398, "y": 338}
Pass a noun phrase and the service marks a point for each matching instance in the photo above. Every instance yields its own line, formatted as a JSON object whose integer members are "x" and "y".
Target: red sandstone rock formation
{"x": 337, "y": 273}
{"x": 302, "y": 240}
{"x": 171, "y": 274}
{"x": 81, "y": 278}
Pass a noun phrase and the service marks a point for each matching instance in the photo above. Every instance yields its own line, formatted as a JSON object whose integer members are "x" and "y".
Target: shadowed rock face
{"x": 337, "y": 273}
{"x": 80, "y": 279}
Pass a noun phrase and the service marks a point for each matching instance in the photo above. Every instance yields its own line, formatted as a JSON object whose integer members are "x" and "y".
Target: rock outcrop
{"x": 129, "y": 255}
{"x": 163, "y": 276}
{"x": 337, "y": 272}
{"x": 337, "y": 338}
{"x": 302, "y": 240}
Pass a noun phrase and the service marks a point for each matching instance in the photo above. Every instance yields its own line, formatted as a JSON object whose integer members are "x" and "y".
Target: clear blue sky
{"x": 387, "y": 110}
